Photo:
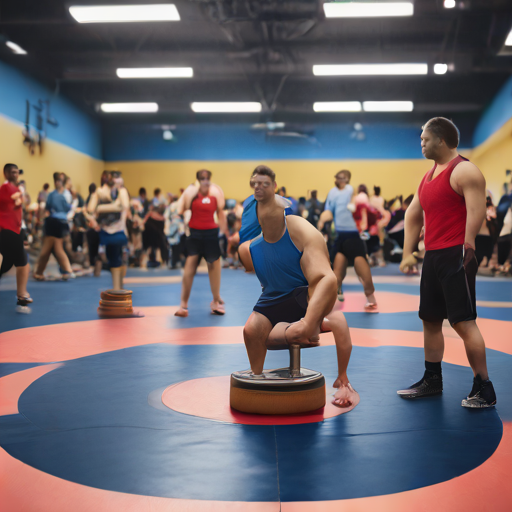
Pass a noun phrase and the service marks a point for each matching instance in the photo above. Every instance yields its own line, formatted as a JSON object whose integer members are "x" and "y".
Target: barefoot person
{"x": 348, "y": 245}
{"x": 12, "y": 251}
{"x": 451, "y": 198}
{"x": 299, "y": 288}
{"x": 204, "y": 200}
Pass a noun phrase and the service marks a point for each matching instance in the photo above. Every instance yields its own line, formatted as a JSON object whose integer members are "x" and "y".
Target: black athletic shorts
{"x": 292, "y": 308}
{"x": 446, "y": 289}
{"x": 349, "y": 244}
{"x": 12, "y": 250}
{"x": 205, "y": 243}
{"x": 55, "y": 227}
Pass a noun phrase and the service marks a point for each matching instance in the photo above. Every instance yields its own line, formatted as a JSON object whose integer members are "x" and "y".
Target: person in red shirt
{"x": 451, "y": 199}
{"x": 203, "y": 201}
{"x": 12, "y": 251}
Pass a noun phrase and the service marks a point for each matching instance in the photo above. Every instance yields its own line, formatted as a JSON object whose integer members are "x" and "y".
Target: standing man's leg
{"x": 61, "y": 256}
{"x": 22, "y": 274}
{"x": 474, "y": 345}
{"x": 186, "y": 285}
{"x": 214, "y": 274}
{"x": 44, "y": 256}
{"x": 364, "y": 273}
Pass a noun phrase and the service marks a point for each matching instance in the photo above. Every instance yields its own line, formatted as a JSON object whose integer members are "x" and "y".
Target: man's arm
{"x": 317, "y": 270}
{"x": 326, "y": 216}
{"x": 413, "y": 224}
{"x": 470, "y": 183}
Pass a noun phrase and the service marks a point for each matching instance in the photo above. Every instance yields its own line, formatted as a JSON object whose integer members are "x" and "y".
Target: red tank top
{"x": 445, "y": 210}
{"x": 10, "y": 214}
{"x": 203, "y": 209}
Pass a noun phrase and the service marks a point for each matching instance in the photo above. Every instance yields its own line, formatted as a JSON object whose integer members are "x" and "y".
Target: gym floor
{"x": 133, "y": 414}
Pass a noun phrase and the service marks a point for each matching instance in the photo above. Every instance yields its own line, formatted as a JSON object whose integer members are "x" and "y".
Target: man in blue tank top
{"x": 299, "y": 288}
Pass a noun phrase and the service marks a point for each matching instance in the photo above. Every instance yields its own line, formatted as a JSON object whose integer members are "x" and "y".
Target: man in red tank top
{"x": 451, "y": 199}
{"x": 12, "y": 250}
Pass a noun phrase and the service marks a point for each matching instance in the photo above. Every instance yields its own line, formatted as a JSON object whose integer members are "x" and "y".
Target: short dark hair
{"x": 46, "y": 186}
{"x": 92, "y": 188}
{"x": 263, "y": 170}
{"x": 376, "y": 190}
{"x": 444, "y": 129}
{"x": 142, "y": 190}
{"x": 362, "y": 188}
{"x": 104, "y": 177}
{"x": 58, "y": 176}
{"x": 348, "y": 174}
{"x": 9, "y": 167}
{"x": 198, "y": 173}
{"x": 157, "y": 191}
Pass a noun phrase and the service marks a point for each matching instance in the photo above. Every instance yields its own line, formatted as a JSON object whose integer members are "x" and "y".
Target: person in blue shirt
{"x": 291, "y": 262}
{"x": 348, "y": 246}
{"x": 55, "y": 229}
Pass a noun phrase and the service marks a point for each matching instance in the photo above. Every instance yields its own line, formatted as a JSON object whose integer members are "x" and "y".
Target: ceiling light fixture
{"x": 367, "y": 9}
{"x": 440, "y": 69}
{"x": 370, "y": 69}
{"x": 508, "y": 41}
{"x": 337, "y": 106}
{"x": 226, "y": 107}
{"x": 124, "y": 13}
{"x": 388, "y": 106}
{"x": 129, "y": 107}
{"x": 16, "y": 48}
{"x": 449, "y": 4}
{"x": 155, "y": 72}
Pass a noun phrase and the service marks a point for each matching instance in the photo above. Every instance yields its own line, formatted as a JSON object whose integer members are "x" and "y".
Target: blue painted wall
{"x": 76, "y": 129}
{"x": 239, "y": 142}
{"x": 496, "y": 115}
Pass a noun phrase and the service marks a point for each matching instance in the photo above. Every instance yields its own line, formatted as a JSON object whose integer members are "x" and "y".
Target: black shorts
{"x": 292, "y": 308}
{"x": 55, "y": 227}
{"x": 349, "y": 244}
{"x": 446, "y": 289}
{"x": 205, "y": 243}
{"x": 12, "y": 250}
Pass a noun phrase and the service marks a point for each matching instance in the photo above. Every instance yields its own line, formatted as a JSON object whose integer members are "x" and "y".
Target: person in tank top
{"x": 299, "y": 288}
{"x": 451, "y": 203}
{"x": 110, "y": 204}
{"x": 204, "y": 199}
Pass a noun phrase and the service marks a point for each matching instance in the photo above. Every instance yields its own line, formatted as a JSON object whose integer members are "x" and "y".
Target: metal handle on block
{"x": 294, "y": 360}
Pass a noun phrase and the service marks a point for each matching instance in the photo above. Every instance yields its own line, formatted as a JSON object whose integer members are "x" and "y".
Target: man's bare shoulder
{"x": 467, "y": 173}
{"x": 302, "y": 231}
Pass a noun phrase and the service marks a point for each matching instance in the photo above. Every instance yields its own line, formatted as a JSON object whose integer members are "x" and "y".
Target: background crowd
{"x": 157, "y": 231}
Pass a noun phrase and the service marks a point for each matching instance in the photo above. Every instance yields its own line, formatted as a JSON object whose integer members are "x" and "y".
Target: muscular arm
{"x": 471, "y": 184}
{"x": 413, "y": 224}
{"x": 317, "y": 270}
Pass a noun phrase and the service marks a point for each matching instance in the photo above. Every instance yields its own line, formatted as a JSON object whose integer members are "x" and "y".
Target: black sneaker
{"x": 430, "y": 385}
{"x": 482, "y": 395}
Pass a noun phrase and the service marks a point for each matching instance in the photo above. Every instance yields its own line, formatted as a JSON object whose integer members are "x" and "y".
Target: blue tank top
{"x": 277, "y": 267}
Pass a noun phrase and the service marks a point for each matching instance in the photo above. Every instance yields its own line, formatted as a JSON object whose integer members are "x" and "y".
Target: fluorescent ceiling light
{"x": 508, "y": 42}
{"x": 16, "y": 48}
{"x": 337, "y": 106}
{"x": 370, "y": 69}
{"x": 449, "y": 4}
{"x": 129, "y": 107}
{"x": 155, "y": 72}
{"x": 388, "y": 106}
{"x": 440, "y": 69}
{"x": 226, "y": 107}
{"x": 367, "y": 9}
{"x": 124, "y": 13}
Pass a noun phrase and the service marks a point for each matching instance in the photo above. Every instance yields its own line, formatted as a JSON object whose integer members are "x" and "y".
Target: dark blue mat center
{"x": 90, "y": 422}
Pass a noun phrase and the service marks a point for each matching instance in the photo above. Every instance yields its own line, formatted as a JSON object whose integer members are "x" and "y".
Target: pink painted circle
{"x": 209, "y": 398}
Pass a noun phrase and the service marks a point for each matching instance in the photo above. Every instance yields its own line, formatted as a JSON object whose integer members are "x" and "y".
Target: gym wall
{"x": 74, "y": 147}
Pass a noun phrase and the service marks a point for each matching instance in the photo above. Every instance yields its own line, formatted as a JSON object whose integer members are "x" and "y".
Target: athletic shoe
{"x": 430, "y": 385}
{"x": 482, "y": 395}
